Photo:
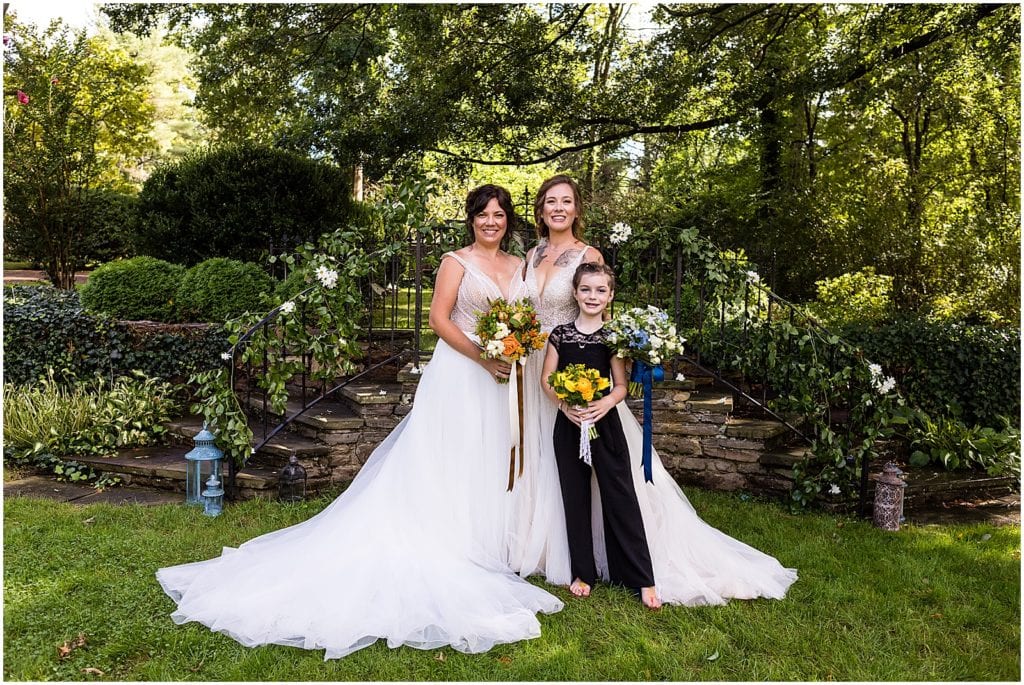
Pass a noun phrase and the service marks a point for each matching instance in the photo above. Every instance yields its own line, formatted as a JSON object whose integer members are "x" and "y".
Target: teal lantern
{"x": 202, "y": 462}
{"x": 213, "y": 496}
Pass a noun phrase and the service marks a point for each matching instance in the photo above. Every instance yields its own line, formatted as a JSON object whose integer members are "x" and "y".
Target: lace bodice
{"x": 576, "y": 347}
{"x": 557, "y": 304}
{"x": 476, "y": 290}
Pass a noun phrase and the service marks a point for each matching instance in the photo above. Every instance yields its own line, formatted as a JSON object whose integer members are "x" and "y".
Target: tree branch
{"x": 610, "y": 138}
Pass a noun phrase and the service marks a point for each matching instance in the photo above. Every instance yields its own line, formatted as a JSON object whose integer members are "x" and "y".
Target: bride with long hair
{"x": 694, "y": 563}
{"x": 412, "y": 552}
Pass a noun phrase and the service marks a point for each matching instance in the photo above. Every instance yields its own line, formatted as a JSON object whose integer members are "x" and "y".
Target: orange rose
{"x": 512, "y": 346}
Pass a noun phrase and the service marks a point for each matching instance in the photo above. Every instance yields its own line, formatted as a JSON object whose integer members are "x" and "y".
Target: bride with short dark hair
{"x": 412, "y": 552}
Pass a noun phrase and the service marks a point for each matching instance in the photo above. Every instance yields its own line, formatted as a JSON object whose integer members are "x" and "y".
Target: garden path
{"x": 31, "y": 276}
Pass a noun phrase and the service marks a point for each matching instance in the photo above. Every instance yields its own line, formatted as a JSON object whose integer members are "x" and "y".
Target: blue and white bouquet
{"x": 644, "y": 334}
{"x": 647, "y": 336}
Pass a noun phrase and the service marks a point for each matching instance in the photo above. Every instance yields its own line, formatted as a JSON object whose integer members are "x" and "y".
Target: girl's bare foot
{"x": 649, "y": 597}
{"x": 579, "y": 588}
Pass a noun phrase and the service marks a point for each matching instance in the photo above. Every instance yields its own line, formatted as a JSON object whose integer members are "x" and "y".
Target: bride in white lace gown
{"x": 694, "y": 563}
{"x": 412, "y": 551}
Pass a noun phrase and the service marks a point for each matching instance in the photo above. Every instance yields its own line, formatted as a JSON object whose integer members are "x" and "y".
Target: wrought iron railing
{"x": 728, "y": 325}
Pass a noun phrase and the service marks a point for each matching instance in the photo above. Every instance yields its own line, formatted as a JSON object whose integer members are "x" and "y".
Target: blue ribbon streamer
{"x": 646, "y": 375}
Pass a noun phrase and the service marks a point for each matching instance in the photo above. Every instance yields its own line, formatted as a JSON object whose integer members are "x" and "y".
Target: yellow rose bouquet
{"x": 577, "y": 385}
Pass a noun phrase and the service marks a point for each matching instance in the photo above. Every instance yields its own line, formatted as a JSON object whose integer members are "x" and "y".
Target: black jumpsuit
{"x": 629, "y": 559}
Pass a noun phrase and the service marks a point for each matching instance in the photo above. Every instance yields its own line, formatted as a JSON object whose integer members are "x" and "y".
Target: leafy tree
{"x": 75, "y": 109}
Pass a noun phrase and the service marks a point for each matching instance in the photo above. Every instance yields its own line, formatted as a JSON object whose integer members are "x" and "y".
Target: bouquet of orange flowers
{"x": 579, "y": 384}
{"x": 509, "y": 331}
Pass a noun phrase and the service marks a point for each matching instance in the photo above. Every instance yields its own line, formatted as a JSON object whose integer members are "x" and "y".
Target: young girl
{"x": 583, "y": 342}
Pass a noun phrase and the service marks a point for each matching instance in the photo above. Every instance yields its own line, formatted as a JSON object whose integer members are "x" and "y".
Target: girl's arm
{"x": 550, "y": 366}
{"x": 446, "y": 290}
{"x": 597, "y": 409}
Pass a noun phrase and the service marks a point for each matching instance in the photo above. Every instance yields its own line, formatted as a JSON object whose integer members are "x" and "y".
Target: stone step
{"x": 280, "y": 448}
{"x": 324, "y": 416}
{"x": 370, "y": 394}
{"x": 710, "y": 401}
{"x": 784, "y": 458}
{"x": 754, "y": 429}
{"x": 164, "y": 468}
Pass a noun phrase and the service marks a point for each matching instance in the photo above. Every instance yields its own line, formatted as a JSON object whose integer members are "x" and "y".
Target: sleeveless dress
{"x": 694, "y": 563}
{"x": 411, "y": 552}
{"x": 537, "y": 536}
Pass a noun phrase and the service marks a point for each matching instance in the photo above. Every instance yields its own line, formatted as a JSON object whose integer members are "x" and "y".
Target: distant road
{"x": 28, "y": 275}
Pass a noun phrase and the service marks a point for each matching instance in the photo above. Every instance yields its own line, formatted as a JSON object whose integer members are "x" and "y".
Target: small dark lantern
{"x": 888, "y": 511}
{"x": 292, "y": 481}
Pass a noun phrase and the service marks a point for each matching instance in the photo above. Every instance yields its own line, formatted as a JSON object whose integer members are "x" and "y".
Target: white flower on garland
{"x": 753, "y": 277}
{"x": 288, "y": 307}
{"x": 620, "y": 233}
{"x": 328, "y": 277}
{"x": 835, "y": 490}
{"x": 226, "y": 356}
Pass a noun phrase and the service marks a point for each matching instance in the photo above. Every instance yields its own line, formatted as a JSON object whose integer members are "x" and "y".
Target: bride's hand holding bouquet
{"x": 509, "y": 332}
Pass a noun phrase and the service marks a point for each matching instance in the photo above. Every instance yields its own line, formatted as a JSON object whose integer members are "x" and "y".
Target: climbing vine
{"x": 318, "y": 328}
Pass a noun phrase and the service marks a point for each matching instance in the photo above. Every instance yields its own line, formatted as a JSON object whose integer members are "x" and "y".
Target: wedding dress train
{"x": 694, "y": 563}
{"x": 412, "y": 552}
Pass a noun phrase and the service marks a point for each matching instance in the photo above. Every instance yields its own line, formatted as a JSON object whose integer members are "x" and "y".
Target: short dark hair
{"x": 538, "y": 205}
{"x": 477, "y": 201}
{"x": 587, "y": 268}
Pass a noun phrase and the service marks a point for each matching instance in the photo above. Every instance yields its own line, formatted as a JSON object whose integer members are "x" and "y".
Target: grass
{"x": 403, "y": 314}
{"x": 927, "y": 603}
{"x": 16, "y": 265}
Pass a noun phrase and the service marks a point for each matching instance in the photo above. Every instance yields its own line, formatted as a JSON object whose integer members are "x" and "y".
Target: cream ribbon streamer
{"x": 585, "y": 427}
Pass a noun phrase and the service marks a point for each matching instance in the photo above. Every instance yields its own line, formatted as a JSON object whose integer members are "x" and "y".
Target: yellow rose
{"x": 586, "y": 388}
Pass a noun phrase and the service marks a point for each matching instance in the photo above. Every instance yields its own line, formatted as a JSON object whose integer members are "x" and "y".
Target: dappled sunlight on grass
{"x": 928, "y": 603}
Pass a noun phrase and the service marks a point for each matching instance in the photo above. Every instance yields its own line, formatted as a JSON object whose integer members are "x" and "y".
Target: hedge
{"x": 46, "y": 327}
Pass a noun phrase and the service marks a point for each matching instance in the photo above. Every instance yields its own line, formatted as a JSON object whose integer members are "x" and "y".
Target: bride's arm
{"x": 446, "y": 291}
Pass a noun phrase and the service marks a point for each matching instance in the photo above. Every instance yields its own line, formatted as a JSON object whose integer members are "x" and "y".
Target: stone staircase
{"x": 699, "y": 440}
{"x": 699, "y": 435}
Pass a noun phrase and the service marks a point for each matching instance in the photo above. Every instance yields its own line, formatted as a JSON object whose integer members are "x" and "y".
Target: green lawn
{"x": 927, "y": 603}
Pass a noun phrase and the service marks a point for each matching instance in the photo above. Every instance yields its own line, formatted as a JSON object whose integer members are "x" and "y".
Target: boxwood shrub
{"x": 220, "y": 289}
{"x": 141, "y": 288}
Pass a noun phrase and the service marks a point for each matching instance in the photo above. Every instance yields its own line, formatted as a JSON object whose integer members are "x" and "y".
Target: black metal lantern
{"x": 292, "y": 482}
{"x": 889, "y": 487}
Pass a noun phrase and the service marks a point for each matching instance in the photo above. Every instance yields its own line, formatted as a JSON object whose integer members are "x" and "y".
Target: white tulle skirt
{"x": 412, "y": 552}
{"x": 694, "y": 563}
